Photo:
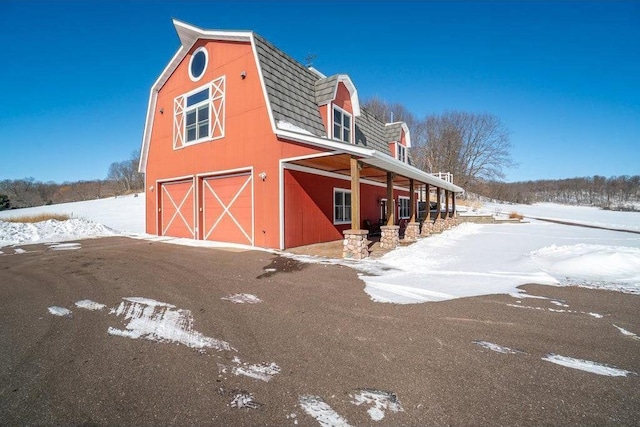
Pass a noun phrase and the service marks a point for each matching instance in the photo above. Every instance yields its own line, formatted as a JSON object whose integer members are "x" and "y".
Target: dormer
{"x": 338, "y": 103}
{"x": 399, "y": 140}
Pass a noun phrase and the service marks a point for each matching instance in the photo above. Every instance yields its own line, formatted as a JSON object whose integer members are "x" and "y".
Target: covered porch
{"x": 388, "y": 221}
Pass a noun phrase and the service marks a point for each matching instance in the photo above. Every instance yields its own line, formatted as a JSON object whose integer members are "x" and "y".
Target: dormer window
{"x": 401, "y": 152}
{"x": 341, "y": 125}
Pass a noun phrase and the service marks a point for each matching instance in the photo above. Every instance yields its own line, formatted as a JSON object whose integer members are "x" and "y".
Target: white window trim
{"x": 400, "y": 216}
{"x": 333, "y": 203}
{"x": 206, "y": 62}
{"x": 398, "y": 145}
{"x": 217, "y": 106}
{"x": 351, "y": 125}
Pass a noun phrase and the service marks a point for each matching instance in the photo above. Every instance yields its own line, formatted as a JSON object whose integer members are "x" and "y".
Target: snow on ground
{"x": 469, "y": 260}
{"x": 497, "y": 348}
{"x": 59, "y": 311}
{"x": 627, "y": 333}
{"x": 322, "y": 412}
{"x": 242, "y": 299}
{"x": 87, "y": 304}
{"x": 587, "y": 366}
{"x": 261, "y": 371}
{"x": 378, "y": 401}
{"x": 481, "y": 259}
{"x": 16, "y": 233}
{"x": 124, "y": 213}
{"x": 158, "y": 321}
{"x": 586, "y": 215}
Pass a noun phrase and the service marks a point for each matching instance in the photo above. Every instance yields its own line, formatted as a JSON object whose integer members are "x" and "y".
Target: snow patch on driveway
{"x": 497, "y": 348}
{"x": 87, "y": 304}
{"x": 378, "y": 402}
{"x": 318, "y": 409}
{"x": 158, "y": 321}
{"x": 260, "y": 371}
{"x": 627, "y": 333}
{"x": 587, "y": 366}
{"x": 242, "y": 299}
{"x": 59, "y": 311}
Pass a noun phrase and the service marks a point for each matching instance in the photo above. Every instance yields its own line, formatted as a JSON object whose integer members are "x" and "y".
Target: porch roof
{"x": 375, "y": 163}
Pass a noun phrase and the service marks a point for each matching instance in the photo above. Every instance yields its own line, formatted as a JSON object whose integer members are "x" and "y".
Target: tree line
{"x": 616, "y": 192}
{"x": 122, "y": 178}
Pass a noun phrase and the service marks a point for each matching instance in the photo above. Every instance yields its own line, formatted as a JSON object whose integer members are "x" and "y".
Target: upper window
{"x": 198, "y": 64}
{"x": 199, "y": 115}
{"x": 341, "y": 125}
{"x": 341, "y": 206}
{"x": 197, "y": 112}
{"x": 401, "y": 152}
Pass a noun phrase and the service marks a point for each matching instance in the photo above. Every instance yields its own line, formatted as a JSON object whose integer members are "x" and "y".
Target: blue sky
{"x": 564, "y": 77}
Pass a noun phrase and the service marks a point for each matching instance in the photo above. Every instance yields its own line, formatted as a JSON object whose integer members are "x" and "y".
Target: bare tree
{"x": 387, "y": 113}
{"x": 471, "y": 146}
{"x": 126, "y": 173}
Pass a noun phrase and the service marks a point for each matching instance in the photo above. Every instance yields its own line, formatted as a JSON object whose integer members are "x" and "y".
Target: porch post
{"x": 390, "y": 205}
{"x": 453, "y": 203}
{"x": 355, "y": 244}
{"x": 412, "y": 201}
{"x": 390, "y": 233}
{"x": 438, "y": 202}
{"x": 355, "y": 194}
{"x": 426, "y": 224}
{"x": 413, "y": 228}
{"x": 446, "y": 203}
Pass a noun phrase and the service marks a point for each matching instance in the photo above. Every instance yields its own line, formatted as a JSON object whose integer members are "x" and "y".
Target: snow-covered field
{"x": 469, "y": 260}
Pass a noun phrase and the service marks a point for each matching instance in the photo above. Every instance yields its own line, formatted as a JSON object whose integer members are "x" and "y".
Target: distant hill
{"x": 614, "y": 193}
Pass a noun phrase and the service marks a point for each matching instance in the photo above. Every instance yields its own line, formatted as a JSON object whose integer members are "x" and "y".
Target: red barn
{"x": 243, "y": 144}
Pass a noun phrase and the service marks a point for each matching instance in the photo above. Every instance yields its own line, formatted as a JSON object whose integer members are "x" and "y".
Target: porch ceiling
{"x": 340, "y": 164}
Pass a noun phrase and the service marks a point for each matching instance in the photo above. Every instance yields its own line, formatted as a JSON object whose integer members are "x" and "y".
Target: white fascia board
{"x": 373, "y": 158}
{"x": 325, "y": 143}
{"x": 153, "y": 97}
{"x": 317, "y": 73}
{"x": 407, "y": 134}
{"x": 188, "y": 34}
{"x": 393, "y": 165}
{"x": 353, "y": 92}
{"x": 146, "y": 136}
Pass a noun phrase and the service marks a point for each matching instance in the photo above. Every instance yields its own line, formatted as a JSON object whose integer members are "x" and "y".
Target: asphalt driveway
{"x": 314, "y": 323}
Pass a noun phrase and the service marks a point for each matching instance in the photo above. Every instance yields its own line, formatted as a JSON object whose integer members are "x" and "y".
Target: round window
{"x": 198, "y": 64}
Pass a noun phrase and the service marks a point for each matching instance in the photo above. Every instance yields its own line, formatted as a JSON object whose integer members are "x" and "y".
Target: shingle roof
{"x": 325, "y": 89}
{"x": 295, "y": 92}
{"x": 370, "y": 132}
{"x": 290, "y": 88}
{"x": 393, "y": 131}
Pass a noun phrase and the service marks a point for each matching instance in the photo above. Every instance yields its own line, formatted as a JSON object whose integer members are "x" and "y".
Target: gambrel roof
{"x": 290, "y": 88}
{"x": 293, "y": 94}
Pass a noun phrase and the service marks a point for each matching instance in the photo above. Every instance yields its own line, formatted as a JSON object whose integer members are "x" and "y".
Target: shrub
{"x": 515, "y": 215}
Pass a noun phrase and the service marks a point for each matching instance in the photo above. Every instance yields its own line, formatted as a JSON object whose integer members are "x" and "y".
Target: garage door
{"x": 177, "y": 217}
{"x": 227, "y": 204}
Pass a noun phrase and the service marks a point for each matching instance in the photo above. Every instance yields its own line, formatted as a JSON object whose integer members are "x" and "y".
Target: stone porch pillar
{"x": 390, "y": 236}
{"x": 426, "y": 227}
{"x": 412, "y": 232}
{"x": 355, "y": 244}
